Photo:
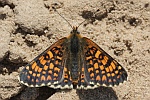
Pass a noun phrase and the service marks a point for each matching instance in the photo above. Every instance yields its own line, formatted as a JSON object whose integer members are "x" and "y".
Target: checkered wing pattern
{"x": 99, "y": 68}
{"x": 47, "y": 69}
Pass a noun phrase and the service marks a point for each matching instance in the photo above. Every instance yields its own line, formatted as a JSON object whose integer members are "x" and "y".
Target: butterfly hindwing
{"x": 100, "y": 68}
{"x": 47, "y": 69}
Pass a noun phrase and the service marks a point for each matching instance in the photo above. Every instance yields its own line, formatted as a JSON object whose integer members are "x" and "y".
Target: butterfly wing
{"x": 99, "y": 67}
{"x": 48, "y": 68}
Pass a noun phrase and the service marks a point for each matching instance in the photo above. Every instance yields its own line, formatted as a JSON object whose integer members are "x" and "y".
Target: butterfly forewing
{"x": 47, "y": 69}
{"x": 100, "y": 68}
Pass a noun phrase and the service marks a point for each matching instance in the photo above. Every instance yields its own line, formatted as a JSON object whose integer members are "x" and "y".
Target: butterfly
{"x": 73, "y": 62}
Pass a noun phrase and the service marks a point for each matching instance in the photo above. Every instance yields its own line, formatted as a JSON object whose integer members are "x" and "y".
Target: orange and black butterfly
{"x": 73, "y": 62}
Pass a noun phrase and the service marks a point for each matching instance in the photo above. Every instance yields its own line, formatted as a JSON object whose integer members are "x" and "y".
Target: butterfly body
{"x": 73, "y": 62}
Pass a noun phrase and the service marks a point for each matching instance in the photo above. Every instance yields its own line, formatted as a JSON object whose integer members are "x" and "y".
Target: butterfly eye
{"x": 75, "y": 32}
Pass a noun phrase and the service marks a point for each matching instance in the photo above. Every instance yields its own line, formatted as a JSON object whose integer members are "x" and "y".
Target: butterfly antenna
{"x": 62, "y": 17}
{"x": 81, "y": 23}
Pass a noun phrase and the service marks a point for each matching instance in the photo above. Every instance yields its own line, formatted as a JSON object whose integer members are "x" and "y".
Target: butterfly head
{"x": 75, "y": 30}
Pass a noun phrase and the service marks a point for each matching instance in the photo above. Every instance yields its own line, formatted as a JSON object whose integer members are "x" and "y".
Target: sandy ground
{"x": 121, "y": 28}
